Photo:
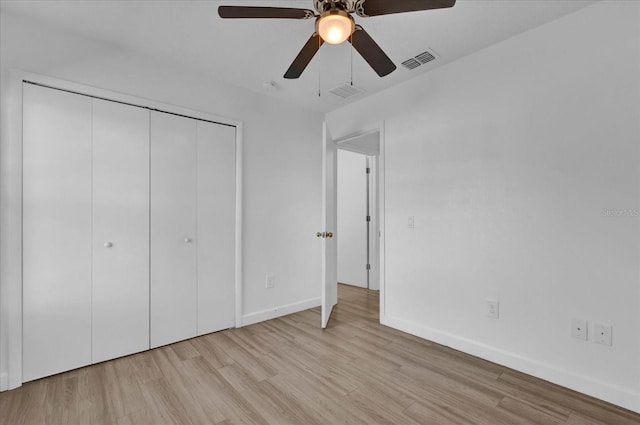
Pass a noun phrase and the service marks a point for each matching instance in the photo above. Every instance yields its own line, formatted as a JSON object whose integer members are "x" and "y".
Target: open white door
{"x": 329, "y": 245}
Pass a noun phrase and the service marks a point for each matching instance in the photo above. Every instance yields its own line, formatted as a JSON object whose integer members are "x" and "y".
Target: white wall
{"x": 352, "y": 210}
{"x": 281, "y": 185}
{"x": 509, "y": 159}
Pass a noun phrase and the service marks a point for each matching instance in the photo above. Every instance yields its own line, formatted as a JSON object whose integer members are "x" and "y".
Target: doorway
{"x": 370, "y": 143}
{"x": 357, "y": 210}
{"x": 358, "y": 224}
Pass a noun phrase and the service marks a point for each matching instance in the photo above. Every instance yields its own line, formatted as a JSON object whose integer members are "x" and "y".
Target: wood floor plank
{"x": 144, "y": 367}
{"x": 184, "y": 350}
{"x": 216, "y": 396}
{"x": 290, "y": 371}
{"x": 316, "y": 398}
{"x": 141, "y": 417}
{"x": 208, "y": 348}
{"x": 377, "y": 409}
{"x": 300, "y": 374}
{"x": 588, "y": 407}
{"x": 536, "y": 414}
{"x": 382, "y": 382}
{"x": 423, "y": 413}
{"x": 163, "y": 404}
{"x": 243, "y": 358}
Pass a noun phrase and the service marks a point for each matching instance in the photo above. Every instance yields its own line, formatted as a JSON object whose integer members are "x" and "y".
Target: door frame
{"x": 11, "y": 203}
{"x": 378, "y": 182}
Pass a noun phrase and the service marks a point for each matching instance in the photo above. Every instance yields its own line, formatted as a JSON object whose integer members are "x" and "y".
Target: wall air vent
{"x": 416, "y": 61}
{"x": 346, "y": 90}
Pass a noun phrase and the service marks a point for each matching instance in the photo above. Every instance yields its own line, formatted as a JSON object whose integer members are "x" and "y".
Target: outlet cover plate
{"x": 493, "y": 309}
{"x": 602, "y": 334}
{"x": 579, "y": 329}
{"x": 270, "y": 281}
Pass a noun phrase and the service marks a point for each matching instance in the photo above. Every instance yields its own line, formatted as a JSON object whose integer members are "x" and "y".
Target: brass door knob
{"x": 319, "y": 235}
{"x": 329, "y": 234}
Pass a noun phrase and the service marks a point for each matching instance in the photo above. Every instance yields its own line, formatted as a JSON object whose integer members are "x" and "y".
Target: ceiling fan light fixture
{"x": 335, "y": 26}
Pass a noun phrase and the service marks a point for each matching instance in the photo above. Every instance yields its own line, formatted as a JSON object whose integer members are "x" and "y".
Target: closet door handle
{"x": 108, "y": 244}
{"x": 187, "y": 240}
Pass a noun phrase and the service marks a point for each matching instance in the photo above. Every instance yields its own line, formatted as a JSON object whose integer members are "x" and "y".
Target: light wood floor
{"x": 289, "y": 371}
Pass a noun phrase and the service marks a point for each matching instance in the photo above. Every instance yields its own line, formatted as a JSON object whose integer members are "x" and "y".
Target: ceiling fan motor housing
{"x": 347, "y": 5}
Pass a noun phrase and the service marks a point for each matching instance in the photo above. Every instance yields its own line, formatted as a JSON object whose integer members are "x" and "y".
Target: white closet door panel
{"x": 173, "y": 229}
{"x": 216, "y": 226}
{"x": 120, "y": 230}
{"x": 56, "y": 231}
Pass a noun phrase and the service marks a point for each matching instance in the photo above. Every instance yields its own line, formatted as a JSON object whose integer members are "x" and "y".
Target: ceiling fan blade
{"x": 304, "y": 57}
{"x": 230, "y": 12}
{"x": 386, "y": 7}
{"x": 371, "y": 52}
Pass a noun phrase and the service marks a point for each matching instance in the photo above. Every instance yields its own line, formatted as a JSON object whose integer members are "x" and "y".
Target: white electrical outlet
{"x": 412, "y": 222}
{"x": 579, "y": 329}
{"x": 270, "y": 281}
{"x": 602, "y": 334}
{"x": 493, "y": 309}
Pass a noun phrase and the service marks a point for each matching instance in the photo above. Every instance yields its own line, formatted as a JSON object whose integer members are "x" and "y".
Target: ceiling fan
{"x": 334, "y": 25}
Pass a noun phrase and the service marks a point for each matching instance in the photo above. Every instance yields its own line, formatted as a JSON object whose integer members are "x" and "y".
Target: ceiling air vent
{"x": 416, "y": 61}
{"x": 346, "y": 90}
{"x": 411, "y": 63}
{"x": 425, "y": 57}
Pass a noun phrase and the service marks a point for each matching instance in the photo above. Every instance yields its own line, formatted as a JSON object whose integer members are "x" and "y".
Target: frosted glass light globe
{"x": 335, "y": 26}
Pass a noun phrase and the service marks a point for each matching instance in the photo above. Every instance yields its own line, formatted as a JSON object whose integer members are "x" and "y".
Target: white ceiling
{"x": 247, "y": 53}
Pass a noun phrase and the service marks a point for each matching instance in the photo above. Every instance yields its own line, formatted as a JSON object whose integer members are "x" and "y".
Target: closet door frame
{"x": 11, "y": 201}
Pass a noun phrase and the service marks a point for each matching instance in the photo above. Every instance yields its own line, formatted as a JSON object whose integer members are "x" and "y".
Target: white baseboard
{"x": 272, "y": 313}
{"x": 622, "y": 397}
{"x": 4, "y": 381}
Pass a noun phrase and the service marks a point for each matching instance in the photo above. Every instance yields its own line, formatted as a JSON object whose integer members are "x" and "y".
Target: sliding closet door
{"x": 56, "y": 231}
{"x": 173, "y": 228}
{"x": 120, "y": 230}
{"x": 216, "y": 226}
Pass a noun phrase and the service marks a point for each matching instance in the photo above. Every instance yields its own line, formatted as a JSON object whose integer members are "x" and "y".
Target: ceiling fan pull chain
{"x": 319, "y": 62}
{"x": 351, "y": 50}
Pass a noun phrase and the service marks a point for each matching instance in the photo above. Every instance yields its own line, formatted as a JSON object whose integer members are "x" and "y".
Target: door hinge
{"x": 368, "y": 218}
{"x": 368, "y": 266}
{"x": 368, "y": 170}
